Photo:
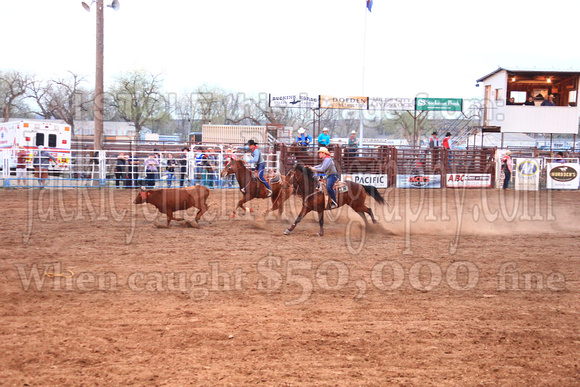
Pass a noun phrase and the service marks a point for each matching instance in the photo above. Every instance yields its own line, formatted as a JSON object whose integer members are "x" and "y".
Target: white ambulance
{"x": 55, "y": 137}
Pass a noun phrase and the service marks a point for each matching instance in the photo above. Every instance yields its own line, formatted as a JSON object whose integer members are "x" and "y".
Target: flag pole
{"x": 361, "y": 125}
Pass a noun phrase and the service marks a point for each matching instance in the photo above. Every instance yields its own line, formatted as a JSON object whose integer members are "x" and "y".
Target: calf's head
{"x": 142, "y": 196}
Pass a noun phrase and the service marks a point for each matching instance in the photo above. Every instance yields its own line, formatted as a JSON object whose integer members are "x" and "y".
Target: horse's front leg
{"x": 321, "y": 222}
{"x": 241, "y": 205}
{"x": 305, "y": 210}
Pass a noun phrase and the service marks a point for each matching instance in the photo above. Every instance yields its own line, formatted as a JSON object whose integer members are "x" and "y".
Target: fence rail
{"x": 203, "y": 163}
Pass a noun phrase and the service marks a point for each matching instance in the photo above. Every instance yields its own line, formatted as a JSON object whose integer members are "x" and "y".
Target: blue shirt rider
{"x": 324, "y": 138}
{"x": 303, "y": 139}
{"x": 260, "y": 164}
{"x": 329, "y": 169}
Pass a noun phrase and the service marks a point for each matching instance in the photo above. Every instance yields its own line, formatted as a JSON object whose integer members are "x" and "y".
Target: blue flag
{"x": 369, "y": 5}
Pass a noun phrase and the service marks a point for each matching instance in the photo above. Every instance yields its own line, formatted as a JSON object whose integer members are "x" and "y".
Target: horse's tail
{"x": 371, "y": 190}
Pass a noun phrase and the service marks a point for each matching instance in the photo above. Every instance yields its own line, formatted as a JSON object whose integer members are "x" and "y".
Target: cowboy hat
{"x": 301, "y": 130}
{"x": 323, "y": 150}
{"x": 353, "y": 132}
{"x": 325, "y": 130}
{"x": 252, "y": 142}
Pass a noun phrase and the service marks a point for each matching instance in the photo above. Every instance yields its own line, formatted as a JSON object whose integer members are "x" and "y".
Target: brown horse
{"x": 252, "y": 188}
{"x": 306, "y": 185}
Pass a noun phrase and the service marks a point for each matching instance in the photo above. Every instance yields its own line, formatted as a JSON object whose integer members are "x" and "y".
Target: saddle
{"x": 339, "y": 186}
{"x": 273, "y": 179}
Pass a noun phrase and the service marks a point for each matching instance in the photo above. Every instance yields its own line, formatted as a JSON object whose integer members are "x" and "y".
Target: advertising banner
{"x": 469, "y": 180}
{"x": 378, "y": 181}
{"x": 293, "y": 101}
{"x": 378, "y": 103}
{"x": 562, "y": 175}
{"x": 527, "y": 172}
{"x": 352, "y": 103}
{"x": 418, "y": 181}
{"x": 439, "y": 104}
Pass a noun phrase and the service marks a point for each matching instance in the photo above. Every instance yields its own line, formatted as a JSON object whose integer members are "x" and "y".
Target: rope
{"x": 51, "y": 275}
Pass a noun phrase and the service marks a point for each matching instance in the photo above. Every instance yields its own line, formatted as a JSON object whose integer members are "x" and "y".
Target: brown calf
{"x": 169, "y": 200}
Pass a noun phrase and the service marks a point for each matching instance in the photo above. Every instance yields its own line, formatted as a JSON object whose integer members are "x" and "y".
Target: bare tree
{"x": 62, "y": 98}
{"x": 13, "y": 86}
{"x": 137, "y": 97}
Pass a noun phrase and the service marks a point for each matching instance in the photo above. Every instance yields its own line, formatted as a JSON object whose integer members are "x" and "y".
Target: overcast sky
{"x": 437, "y": 48}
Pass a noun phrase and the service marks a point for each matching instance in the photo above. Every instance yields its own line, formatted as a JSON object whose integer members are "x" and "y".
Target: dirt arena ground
{"x": 452, "y": 287}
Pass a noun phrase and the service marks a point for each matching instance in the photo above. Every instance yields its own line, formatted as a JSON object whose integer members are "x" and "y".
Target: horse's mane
{"x": 307, "y": 171}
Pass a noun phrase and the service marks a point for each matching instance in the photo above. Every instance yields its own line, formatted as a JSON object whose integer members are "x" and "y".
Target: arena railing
{"x": 102, "y": 169}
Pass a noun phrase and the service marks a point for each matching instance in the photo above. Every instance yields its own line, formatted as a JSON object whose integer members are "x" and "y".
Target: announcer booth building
{"x": 524, "y": 116}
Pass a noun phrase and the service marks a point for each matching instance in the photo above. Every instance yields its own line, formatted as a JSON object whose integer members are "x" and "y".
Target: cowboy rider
{"x": 260, "y": 164}
{"x": 329, "y": 169}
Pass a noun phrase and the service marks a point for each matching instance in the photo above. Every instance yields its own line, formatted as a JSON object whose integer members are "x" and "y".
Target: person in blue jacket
{"x": 324, "y": 138}
{"x": 258, "y": 160}
{"x": 303, "y": 139}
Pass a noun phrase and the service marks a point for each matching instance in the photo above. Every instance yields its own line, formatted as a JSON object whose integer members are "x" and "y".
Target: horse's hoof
{"x": 320, "y": 234}
{"x": 287, "y": 232}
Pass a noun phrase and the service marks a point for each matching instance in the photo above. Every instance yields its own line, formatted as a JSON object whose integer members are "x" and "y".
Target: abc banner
{"x": 527, "y": 173}
{"x": 418, "y": 181}
{"x": 562, "y": 175}
{"x": 378, "y": 181}
{"x": 469, "y": 180}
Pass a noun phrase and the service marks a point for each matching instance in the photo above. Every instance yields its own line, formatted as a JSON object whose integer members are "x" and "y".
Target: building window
{"x": 518, "y": 96}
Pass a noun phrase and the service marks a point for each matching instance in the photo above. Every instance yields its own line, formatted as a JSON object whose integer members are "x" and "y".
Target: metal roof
{"x": 531, "y": 71}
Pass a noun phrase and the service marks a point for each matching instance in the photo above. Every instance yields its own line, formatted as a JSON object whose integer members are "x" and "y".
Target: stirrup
{"x": 243, "y": 190}
{"x": 269, "y": 193}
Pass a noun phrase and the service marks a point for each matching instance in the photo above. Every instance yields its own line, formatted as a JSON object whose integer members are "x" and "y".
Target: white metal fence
{"x": 128, "y": 169}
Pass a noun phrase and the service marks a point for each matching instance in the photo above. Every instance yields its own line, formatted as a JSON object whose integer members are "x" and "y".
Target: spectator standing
{"x": 151, "y": 169}
{"x": 21, "y": 166}
{"x": 120, "y": 169}
{"x": 133, "y": 170}
{"x": 506, "y": 167}
{"x": 183, "y": 167}
{"x": 352, "y": 144}
{"x": 303, "y": 140}
{"x": 433, "y": 140}
{"x": 41, "y": 163}
{"x": 324, "y": 138}
{"x": 200, "y": 163}
{"x": 170, "y": 169}
{"x": 209, "y": 167}
{"x": 446, "y": 141}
